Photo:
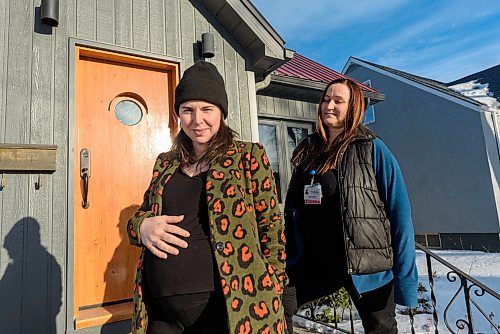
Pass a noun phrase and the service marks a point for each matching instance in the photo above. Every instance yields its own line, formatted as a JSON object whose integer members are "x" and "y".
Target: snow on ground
{"x": 484, "y": 267}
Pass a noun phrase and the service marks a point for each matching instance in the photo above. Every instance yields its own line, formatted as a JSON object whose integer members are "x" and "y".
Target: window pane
{"x": 268, "y": 138}
{"x": 128, "y": 112}
{"x": 294, "y": 137}
{"x": 369, "y": 115}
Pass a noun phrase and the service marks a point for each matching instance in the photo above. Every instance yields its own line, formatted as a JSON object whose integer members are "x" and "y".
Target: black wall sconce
{"x": 207, "y": 45}
{"x": 49, "y": 12}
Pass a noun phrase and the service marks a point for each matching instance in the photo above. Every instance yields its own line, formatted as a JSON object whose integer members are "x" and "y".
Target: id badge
{"x": 312, "y": 193}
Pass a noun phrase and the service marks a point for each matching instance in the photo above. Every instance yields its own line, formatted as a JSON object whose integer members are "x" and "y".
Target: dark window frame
{"x": 284, "y": 156}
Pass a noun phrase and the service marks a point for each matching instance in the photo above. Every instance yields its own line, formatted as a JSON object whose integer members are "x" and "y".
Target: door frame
{"x": 175, "y": 65}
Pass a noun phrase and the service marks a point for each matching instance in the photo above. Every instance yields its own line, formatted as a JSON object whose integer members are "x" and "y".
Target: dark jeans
{"x": 376, "y": 308}
{"x": 197, "y": 313}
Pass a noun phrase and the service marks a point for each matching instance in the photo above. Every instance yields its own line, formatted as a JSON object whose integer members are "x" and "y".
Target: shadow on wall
{"x": 30, "y": 288}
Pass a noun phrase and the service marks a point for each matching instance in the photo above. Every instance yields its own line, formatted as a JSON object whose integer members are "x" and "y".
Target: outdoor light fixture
{"x": 49, "y": 12}
{"x": 207, "y": 45}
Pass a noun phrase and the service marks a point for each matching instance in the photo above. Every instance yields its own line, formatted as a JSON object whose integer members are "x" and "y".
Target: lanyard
{"x": 312, "y": 192}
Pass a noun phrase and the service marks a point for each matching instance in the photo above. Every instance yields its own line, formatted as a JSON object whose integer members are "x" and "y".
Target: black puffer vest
{"x": 367, "y": 229}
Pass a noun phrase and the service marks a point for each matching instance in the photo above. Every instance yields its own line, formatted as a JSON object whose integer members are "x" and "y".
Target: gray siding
{"x": 286, "y": 106}
{"x": 34, "y": 109}
{"x": 441, "y": 148}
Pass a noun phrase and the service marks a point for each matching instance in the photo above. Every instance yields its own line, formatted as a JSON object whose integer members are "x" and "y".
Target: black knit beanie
{"x": 201, "y": 81}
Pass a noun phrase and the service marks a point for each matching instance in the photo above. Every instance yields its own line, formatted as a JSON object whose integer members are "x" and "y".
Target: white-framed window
{"x": 280, "y": 138}
{"x": 370, "y": 110}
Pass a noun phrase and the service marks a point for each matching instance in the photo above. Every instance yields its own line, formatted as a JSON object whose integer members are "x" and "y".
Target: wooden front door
{"x": 123, "y": 120}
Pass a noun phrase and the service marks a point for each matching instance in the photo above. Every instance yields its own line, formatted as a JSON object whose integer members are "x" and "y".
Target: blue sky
{"x": 439, "y": 39}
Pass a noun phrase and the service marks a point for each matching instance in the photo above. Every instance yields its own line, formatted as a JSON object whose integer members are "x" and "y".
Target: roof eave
{"x": 461, "y": 99}
{"x": 263, "y": 44}
{"x": 298, "y": 82}
{"x": 374, "y": 97}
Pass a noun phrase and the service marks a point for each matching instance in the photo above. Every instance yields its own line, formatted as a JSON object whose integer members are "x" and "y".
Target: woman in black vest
{"x": 348, "y": 218}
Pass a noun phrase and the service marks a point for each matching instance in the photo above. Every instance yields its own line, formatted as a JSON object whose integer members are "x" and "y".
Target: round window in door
{"x": 129, "y": 108}
{"x": 128, "y": 112}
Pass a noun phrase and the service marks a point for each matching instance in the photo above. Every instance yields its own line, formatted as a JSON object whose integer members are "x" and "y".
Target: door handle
{"x": 85, "y": 175}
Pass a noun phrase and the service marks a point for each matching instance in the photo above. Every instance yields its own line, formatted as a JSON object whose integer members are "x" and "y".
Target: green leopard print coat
{"x": 246, "y": 234}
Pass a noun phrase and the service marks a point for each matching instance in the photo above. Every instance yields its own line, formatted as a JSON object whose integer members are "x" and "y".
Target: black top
{"x": 192, "y": 270}
{"x": 322, "y": 232}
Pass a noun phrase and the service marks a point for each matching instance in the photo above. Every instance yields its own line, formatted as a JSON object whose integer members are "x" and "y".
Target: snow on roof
{"x": 477, "y": 91}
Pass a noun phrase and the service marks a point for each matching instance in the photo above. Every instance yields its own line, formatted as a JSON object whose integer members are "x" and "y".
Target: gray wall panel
{"x": 201, "y": 25}
{"x": 173, "y": 27}
{"x": 441, "y": 149}
{"x": 243, "y": 94}
{"x": 105, "y": 26}
{"x": 219, "y": 49}
{"x": 312, "y": 110}
{"x": 231, "y": 78}
{"x": 300, "y": 112}
{"x": 261, "y": 103}
{"x": 140, "y": 24}
{"x": 187, "y": 31}
{"x": 41, "y": 91}
{"x": 58, "y": 213}
{"x": 123, "y": 23}
{"x": 18, "y": 56}
{"x": 4, "y": 41}
{"x": 19, "y": 72}
{"x": 39, "y": 229}
{"x": 283, "y": 105}
{"x": 293, "y": 108}
{"x": 157, "y": 31}
{"x": 86, "y": 19}
{"x": 270, "y": 105}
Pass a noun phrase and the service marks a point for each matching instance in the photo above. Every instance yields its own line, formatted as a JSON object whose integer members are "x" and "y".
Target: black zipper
{"x": 343, "y": 208}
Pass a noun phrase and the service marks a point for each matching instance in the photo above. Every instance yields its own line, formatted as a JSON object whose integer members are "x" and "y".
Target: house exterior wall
{"x": 287, "y": 106}
{"x": 34, "y": 109}
{"x": 440, "y": 146}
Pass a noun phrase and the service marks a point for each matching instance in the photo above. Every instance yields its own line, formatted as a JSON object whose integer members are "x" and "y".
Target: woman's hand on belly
{"x": 162, "y": 236}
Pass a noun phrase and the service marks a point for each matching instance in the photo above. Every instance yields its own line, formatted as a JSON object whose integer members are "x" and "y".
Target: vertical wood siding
{"x": 34, "y": 109}
{"x": 105, "y": 23}
{"x": 157, "y": 26}
{"x": 286, "y": 106}
{"x": 59, "y": 215}
{"x": 4, "y": 41}
{"x": 140, "y": 24}
{"x": 172, "y": 23}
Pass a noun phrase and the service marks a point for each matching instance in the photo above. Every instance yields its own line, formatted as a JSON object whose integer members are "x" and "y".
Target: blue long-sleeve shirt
{"x": 392, "y": 191}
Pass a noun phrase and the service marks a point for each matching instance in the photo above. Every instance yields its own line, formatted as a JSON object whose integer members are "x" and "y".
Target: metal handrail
{"x": 477, "y": 287}
{"x": 468, "y": 284}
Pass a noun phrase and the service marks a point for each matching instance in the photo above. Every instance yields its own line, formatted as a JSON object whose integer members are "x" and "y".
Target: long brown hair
{"x": 308, "y": 151}
{"x": 217, "y": 146}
